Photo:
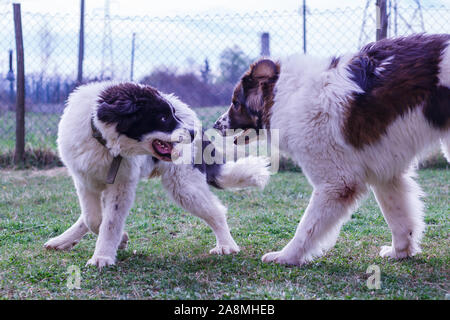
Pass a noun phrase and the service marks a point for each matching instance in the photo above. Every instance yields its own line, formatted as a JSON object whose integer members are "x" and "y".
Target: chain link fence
{"x": 199, "y": 58}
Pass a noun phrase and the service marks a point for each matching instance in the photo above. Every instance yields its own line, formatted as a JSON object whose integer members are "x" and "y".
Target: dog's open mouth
{"x": 163, "y": 149}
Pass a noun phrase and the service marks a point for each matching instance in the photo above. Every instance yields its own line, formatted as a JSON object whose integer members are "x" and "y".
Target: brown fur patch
{"x": 253, "y": 96}
{"x": 397, "y": 75}
{"x": 348, "y": 192}
{"x": 155, "y": 173}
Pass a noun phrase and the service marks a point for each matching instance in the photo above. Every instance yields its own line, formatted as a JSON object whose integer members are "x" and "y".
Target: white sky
{"x": 180, "y": 43}
{"x": 187, "y": 7}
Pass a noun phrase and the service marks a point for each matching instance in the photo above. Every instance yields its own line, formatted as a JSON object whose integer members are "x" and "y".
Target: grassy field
{"x": 168, "y": 258}
{"x": 40, "y": 130}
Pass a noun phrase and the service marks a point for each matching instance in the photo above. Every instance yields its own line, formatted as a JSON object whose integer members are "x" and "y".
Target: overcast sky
{"x": 184, "y": 43}
{"x": 186, "y": 7}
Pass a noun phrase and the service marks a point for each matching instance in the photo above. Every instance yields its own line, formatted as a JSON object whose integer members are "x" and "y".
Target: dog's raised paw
{"x": 224, "y": 249}
{"x": 101, "y": 261}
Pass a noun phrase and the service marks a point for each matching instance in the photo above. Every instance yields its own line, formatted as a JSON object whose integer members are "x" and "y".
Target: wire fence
{"x": 199, "y": 58}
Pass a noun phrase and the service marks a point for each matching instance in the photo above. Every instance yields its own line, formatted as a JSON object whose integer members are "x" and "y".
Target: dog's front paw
{"x": 390, "y": 252}
{"x": 224, "y": 249}
{"x": 101, "y": 261}
{"x": 281, "y": 257}
{"x": 59, "y": 244}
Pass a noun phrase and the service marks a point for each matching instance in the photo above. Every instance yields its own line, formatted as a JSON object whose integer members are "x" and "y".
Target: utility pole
{"x": 265, "y": 44}
{"x": 81, "y": 45}
{"x": 382, "y": 22}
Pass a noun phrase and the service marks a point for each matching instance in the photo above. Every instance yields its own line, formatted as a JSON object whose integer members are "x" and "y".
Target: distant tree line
{"x": 202, "y": 88}
{"x": 197, "y": 88}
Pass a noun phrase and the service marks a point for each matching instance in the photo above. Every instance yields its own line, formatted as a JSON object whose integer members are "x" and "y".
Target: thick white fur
{"x": 104, "y": 207}
{"x": 243, "y": 172}
{"x": 309, "y": 111}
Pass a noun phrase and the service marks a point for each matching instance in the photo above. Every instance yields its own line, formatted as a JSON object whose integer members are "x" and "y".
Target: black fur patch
{"x": 137, "y": 110}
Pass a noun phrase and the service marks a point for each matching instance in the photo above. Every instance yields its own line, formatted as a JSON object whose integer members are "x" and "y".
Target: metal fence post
{"x": 382, "y": 22}
{"x": 10, "y": 77}
{"x": 133, "y": 43}
{"x": 304, "y": 26}
{"x": 81, "y": 45}
{"x": 19, "y": 153}
{"x": 265, "y": 44}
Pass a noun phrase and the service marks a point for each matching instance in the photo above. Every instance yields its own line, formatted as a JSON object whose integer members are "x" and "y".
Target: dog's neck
{"x": 115, "y": 165}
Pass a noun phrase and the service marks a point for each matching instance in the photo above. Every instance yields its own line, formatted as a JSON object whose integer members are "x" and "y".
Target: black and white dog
{"x": 353, "y": 122}
{"x": 110, "y": 136}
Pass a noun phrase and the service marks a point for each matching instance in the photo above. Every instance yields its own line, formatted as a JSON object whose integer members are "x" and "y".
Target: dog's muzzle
{"x": 222, "y": 123}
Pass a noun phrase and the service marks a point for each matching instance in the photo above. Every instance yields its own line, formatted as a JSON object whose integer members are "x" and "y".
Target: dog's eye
{"x": 163, "y": 119}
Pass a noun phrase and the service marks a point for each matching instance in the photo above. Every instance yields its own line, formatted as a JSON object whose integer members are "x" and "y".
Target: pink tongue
{"x": 164, "y": 148}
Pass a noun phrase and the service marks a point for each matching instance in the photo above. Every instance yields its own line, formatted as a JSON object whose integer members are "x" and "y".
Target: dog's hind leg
{"x": 89, "y": 219}
{"x": 69, "y": 238}
{"x": 400, "y": 203}
{"x": 329, "y": 207}
{"x": 188, "y": 188}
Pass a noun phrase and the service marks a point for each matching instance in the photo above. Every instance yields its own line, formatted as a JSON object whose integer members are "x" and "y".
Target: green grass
{"x": 40, "y": 130}
{"x": 168, "y": 258}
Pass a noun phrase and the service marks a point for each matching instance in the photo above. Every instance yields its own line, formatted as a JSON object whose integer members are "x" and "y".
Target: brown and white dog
{"x": 353, "y": 122}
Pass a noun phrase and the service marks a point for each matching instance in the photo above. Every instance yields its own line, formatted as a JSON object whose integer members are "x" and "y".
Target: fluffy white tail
{"x": 245, "y": 172}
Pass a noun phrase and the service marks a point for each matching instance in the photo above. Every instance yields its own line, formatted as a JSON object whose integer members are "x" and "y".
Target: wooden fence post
{"x": 19, "y": 153}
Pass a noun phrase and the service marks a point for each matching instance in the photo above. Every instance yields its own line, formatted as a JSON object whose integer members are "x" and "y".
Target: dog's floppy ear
{"x": 121, "y": 112}
{"x": 258, "y": 82}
